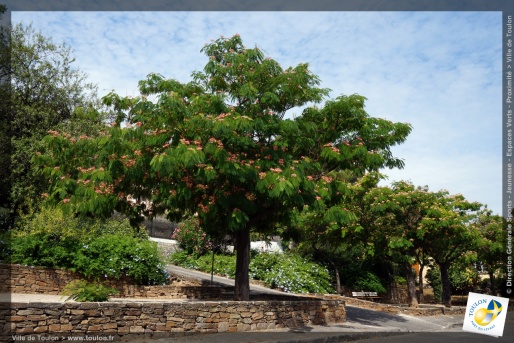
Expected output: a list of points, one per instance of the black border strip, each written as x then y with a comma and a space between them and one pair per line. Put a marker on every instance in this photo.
259, 5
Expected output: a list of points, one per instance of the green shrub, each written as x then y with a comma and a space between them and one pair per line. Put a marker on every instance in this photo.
50, 221
296, 274
191, 237
463, 278
262, 264
92, 247
290, 272
184, 260
118, 256
369, 282
53, 221
80, 290
43, 249
434, 280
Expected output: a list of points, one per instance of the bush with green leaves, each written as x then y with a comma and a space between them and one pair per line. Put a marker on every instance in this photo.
369, 282
50, 220
44, 249
292, 273
93, 248
114, 255
434, 280
83, 291
295, 274
191, 237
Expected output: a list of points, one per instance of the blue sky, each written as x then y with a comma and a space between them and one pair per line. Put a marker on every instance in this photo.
439, 71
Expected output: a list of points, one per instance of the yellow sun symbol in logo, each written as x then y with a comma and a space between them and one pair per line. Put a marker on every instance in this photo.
485, 316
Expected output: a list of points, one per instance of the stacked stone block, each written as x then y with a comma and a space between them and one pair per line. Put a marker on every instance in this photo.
121, 318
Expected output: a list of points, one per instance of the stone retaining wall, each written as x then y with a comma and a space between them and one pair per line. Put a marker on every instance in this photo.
25, 279
39, 280
122, 318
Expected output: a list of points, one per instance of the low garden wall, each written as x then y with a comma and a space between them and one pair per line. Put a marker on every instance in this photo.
122, 318
40, 280
26, 279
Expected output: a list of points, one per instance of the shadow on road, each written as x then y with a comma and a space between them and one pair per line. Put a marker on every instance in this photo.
371, 317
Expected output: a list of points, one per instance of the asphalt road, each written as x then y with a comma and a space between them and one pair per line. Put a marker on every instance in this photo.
453, 337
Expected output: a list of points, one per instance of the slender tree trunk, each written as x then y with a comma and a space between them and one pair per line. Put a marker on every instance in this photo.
336, 270
338, 281
493, 282
411, 284
445, 279
421, 297
242, 284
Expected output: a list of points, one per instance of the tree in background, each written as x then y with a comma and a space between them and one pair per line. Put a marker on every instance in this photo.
44, 91
490, 248
448, 231
397, 213
5, 126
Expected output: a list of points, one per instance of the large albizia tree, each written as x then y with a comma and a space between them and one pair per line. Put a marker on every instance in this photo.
218, 146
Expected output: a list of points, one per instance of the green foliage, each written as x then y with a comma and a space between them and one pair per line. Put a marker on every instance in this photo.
191, 237
46, 90
463, 278
83, 291
369, 282
93, 248
290, 272
400, 280
434, 280
294, 274
52, 220
118, 256
47, 250
361, 275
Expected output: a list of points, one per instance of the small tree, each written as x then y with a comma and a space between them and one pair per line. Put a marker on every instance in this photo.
448, 231
490, 246
397, 214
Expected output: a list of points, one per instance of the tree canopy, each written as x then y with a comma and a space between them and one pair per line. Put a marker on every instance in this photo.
44, 91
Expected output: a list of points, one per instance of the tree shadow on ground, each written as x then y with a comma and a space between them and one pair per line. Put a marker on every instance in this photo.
371, 317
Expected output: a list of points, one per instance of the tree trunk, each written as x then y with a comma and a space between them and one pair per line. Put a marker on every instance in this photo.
411, 284
421, 284
493, 281
338, 282
242, 284
336, 271
445, 280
